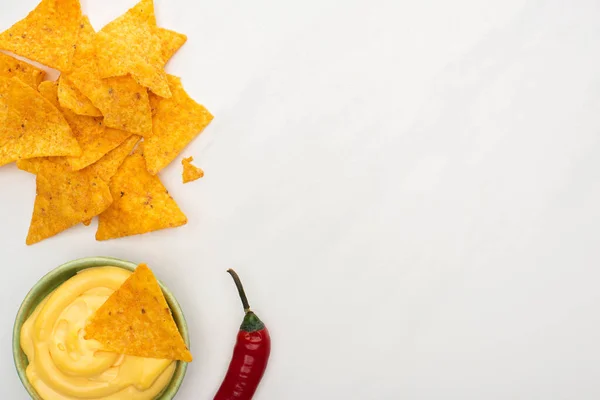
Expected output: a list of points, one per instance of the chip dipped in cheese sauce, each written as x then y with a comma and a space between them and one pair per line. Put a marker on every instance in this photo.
63, 365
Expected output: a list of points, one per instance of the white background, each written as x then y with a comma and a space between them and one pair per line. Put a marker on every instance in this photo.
409, 189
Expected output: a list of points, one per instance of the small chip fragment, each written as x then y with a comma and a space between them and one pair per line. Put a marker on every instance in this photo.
141, 203
121, 100
176, 122
64, 199
47, 35
30, 126
190, 172
136, 320
10, 66
130, 45
93, 137
72, 99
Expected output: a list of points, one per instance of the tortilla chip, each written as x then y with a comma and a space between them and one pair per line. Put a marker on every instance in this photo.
177, 121
30, 126
122, 101
130, 45
171, 41
72, 99
142, 204
64, 199
108, 165
136, 320
10, 66
190, 172
94, 138
47, 35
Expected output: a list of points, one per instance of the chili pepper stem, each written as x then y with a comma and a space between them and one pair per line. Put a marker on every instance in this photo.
240, 288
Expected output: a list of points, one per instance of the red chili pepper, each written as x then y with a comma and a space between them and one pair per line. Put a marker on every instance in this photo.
250, 355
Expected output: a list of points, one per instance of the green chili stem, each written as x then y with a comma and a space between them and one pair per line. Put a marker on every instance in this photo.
240, 288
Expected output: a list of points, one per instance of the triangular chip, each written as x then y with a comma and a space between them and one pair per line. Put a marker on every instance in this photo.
72, 99
10, 66
94, 138
176, 122
122, 101
64, 199
47, 35
30, 126
141, 203
136, 320
190, 172
130, 45
108, 165
171, 41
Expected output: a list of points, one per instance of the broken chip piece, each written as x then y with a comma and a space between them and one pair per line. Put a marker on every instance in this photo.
136, 320
190, 172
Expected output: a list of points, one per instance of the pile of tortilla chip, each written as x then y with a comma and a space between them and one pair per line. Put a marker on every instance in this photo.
97, 137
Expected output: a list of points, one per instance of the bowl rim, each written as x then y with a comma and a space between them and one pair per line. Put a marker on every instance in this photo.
31, 301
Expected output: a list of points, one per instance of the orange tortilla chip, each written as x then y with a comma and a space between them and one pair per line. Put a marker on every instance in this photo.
176, 122
171, 41
64, 199
190, 172
122, 101
10, 66
136, 320
130, 45
108, 165
141, 203
47, 35
30, 126
72, 99
94, 138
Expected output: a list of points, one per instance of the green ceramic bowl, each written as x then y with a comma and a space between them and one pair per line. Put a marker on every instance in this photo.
59, 275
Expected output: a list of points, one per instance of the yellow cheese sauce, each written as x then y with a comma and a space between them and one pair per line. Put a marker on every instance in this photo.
65, 366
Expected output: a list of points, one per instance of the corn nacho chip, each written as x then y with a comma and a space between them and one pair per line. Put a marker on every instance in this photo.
190, 172
94, 138
10, 66
177, 121
64, 199
130, 45
72, 99
171, 41
108, 165
30, 126
122, 101
136, 320
47, 35
141, 203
